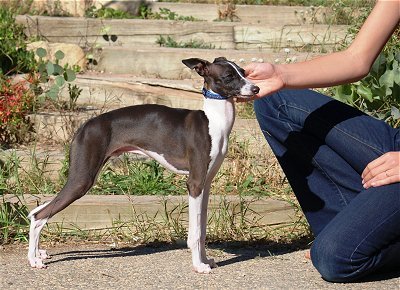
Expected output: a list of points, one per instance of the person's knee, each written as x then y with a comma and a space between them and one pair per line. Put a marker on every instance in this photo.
334, 263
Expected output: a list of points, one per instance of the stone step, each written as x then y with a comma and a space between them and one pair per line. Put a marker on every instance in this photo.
248, 14
255, 14
104, 211
166, 63
109, 91
91, 33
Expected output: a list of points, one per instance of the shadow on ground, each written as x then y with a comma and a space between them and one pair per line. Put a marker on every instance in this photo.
241, 251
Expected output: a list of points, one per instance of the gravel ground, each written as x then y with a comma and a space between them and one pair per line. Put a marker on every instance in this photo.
91, 266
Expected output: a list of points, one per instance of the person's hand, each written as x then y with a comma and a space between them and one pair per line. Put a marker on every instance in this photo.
382, 171
265, 76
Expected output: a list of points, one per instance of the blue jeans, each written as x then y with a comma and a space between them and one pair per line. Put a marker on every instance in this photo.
323, 147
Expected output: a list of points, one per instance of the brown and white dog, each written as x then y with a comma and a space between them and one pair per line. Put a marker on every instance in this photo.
191, 142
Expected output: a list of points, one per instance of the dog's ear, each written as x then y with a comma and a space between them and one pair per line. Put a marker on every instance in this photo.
219, 59
200, 65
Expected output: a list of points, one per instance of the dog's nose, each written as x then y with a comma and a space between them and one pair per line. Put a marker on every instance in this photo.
255, 89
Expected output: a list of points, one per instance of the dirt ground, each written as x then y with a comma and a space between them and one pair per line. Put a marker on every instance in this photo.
165, 266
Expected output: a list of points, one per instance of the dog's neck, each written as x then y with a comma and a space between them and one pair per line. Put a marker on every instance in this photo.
220, 111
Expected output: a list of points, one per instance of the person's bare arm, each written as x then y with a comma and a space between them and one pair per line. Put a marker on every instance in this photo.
346, 66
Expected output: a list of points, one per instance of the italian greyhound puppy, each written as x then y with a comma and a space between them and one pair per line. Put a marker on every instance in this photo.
191, 142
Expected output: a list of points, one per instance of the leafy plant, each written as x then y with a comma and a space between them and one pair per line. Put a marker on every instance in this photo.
107, 12
55, 77
378, 93
14, 58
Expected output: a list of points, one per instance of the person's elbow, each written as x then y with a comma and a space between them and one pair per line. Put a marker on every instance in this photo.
362, 69
360, 64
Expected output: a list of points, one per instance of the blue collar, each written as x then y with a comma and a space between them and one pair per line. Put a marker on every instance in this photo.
209, 94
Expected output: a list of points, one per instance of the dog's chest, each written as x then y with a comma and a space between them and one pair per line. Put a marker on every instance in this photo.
221, 116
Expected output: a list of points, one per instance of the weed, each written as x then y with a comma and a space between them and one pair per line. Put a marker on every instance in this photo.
170, 42
226, 12
13, 221
163, 14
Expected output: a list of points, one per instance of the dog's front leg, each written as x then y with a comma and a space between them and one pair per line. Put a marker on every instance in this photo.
203, 224
196, 236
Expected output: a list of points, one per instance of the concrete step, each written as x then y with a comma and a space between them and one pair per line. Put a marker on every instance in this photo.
104, 211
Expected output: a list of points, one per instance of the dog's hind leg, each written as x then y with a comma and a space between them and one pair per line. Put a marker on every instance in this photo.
85, 163
35, 255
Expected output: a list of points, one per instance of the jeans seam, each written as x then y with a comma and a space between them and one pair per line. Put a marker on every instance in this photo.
330, 179
372, 230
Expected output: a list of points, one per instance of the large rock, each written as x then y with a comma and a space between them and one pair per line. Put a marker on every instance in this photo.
74, 54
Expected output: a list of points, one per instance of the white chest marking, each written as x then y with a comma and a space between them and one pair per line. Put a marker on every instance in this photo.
221, 115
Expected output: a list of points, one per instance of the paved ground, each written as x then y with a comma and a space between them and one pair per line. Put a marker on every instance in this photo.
91, 266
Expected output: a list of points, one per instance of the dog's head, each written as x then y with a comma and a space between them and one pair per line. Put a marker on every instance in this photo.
223, 77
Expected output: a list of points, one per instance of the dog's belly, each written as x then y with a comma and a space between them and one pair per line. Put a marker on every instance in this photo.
162, 160
174, 166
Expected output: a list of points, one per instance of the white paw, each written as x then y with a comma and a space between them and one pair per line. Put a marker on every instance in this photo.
37, 263
43, 255
202, 268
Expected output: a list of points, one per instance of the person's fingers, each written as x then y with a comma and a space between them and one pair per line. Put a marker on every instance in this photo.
383, 170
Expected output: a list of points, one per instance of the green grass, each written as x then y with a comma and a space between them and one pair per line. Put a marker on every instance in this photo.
138, 177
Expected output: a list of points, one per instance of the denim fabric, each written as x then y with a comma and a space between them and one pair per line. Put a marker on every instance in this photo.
323, 147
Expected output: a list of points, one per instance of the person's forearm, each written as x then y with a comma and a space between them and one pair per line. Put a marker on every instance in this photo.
351, 64
324, 71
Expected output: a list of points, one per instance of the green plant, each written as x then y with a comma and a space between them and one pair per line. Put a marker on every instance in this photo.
54, 77
107, 12
170, 42
14, 58
378, 93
